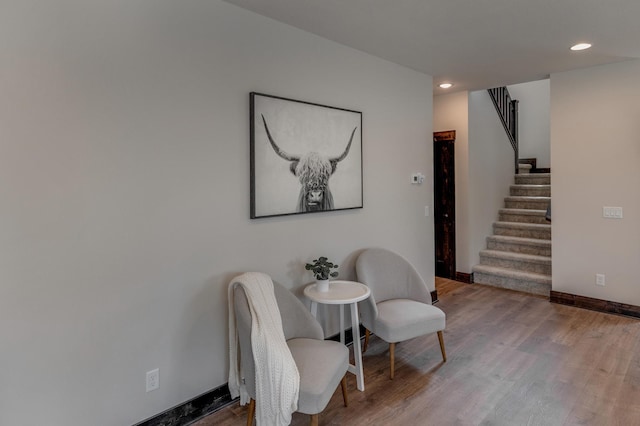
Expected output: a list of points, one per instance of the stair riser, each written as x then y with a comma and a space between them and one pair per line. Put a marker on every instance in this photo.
519, 265
521, 218
540, 234
512, 283
519, 248
519, 191
533, 179
528, 204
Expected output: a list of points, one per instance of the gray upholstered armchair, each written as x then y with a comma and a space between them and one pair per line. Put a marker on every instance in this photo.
322, 364
400, 306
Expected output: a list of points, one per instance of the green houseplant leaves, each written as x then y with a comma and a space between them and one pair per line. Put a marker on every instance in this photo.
321, 268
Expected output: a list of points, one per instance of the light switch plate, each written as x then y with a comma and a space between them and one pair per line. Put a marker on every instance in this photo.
612, 212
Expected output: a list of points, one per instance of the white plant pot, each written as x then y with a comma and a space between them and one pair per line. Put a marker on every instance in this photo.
322, 285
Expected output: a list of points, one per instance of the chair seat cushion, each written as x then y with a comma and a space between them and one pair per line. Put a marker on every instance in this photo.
403, 319
322, 364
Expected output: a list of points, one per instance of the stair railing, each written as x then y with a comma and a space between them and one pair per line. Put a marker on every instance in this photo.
507, 109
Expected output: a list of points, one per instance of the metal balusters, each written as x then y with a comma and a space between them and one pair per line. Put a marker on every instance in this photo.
507, 109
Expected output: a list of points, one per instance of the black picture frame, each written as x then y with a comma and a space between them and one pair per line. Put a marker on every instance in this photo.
305, 157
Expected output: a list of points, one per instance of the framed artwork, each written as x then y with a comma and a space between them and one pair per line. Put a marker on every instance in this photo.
305, 157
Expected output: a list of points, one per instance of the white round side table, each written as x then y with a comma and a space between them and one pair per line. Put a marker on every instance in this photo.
344, 293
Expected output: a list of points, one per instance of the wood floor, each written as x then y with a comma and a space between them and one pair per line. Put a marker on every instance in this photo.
513, 359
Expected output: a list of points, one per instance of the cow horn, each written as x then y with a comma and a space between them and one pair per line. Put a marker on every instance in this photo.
276, 148
346, 151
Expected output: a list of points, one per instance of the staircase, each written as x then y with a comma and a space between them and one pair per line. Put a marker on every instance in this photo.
518, 254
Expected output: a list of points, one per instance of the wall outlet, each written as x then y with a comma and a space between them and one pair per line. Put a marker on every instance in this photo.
153, 380
600, 279
426, 211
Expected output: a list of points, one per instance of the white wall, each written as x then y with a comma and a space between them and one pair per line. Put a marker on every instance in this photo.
533, 120
484, 168
595, 152
451, 112
124, 193
491, 170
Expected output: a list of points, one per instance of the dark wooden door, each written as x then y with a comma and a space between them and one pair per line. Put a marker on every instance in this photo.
444, 209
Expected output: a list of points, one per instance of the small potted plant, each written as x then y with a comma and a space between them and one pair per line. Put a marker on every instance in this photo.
321, 268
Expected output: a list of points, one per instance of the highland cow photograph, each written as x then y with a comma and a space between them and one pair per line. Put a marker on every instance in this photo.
305, 157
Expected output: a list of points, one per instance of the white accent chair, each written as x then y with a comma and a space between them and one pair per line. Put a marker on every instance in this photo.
322, 364
400, 306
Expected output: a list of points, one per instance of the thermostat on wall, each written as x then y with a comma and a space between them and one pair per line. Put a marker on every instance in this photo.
417, 178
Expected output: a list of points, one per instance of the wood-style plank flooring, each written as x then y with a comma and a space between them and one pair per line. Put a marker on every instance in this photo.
513, 359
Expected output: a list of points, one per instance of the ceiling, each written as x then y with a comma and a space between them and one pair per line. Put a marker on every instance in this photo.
474, 44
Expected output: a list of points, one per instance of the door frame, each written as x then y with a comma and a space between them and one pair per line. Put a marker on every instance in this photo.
438, 205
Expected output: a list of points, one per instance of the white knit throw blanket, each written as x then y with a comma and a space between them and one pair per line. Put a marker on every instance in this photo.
277, 378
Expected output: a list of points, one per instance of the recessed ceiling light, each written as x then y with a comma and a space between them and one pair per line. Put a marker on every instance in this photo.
581, 46
445, 85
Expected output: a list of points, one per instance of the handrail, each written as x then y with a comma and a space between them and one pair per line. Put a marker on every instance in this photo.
507, 109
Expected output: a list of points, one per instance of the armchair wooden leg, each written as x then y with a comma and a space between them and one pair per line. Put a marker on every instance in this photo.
441, 339
343, 385
367, 333
314, 420
392, 358
251, 412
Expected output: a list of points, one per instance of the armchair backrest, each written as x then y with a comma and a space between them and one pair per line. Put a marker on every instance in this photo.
297, 322
390, 276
